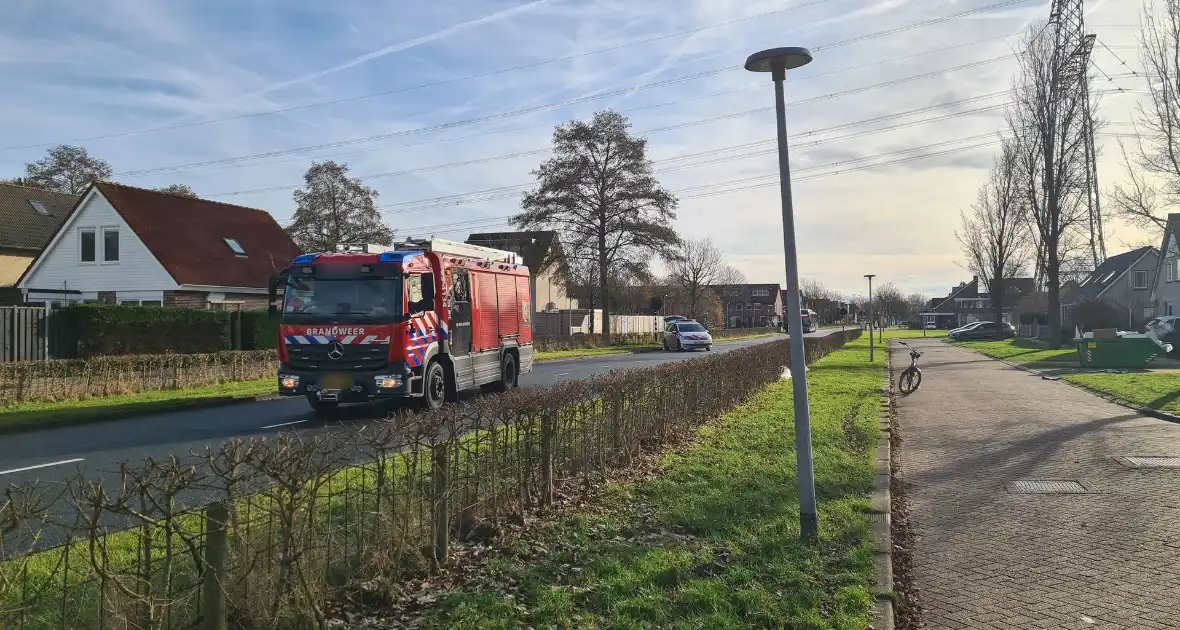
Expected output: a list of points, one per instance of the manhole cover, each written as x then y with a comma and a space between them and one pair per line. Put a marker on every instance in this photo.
1044, 486
1149, 462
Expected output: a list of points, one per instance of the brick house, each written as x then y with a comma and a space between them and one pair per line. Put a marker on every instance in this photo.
125, 245
971, 302
751, 305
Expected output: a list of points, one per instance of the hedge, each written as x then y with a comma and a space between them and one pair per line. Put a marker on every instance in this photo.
60, 380
97, 329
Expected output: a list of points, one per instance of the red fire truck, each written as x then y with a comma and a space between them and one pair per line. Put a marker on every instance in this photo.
422, 320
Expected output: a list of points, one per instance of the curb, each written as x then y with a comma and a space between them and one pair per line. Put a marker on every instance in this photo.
1122, 402
147, 410
883, 618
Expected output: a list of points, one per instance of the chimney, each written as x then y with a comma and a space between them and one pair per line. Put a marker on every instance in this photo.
975, 278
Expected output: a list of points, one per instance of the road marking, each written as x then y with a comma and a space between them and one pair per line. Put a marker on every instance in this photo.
284, 424
563, 374
64, 461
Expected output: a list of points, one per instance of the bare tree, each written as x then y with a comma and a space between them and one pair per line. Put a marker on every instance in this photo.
916, 305
889, 302
180, 190
1046, 121
995, 235
1156, 151
693, 267
598, 190
814, 288
66, 169
730, 275
334, 208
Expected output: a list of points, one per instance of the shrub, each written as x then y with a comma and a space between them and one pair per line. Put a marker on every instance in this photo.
370, 503
93, 329
259, 330
78, 379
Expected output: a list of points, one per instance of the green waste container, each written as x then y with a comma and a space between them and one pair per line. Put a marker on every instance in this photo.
1121, 352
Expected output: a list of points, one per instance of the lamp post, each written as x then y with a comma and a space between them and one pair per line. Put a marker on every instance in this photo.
777, 61
870, 276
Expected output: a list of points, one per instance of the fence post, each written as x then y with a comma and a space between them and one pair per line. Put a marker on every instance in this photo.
548, 426
213, 609
442, 503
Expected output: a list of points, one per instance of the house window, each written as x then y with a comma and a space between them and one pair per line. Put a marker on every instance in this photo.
110, 244
234, 246
757, 306
39, 207
1139, 279
1167, 308
87, 246
760, 292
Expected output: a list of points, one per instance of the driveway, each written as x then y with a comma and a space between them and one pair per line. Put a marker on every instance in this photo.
988, 557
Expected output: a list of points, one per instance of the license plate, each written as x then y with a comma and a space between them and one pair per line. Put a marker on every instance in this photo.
336, 381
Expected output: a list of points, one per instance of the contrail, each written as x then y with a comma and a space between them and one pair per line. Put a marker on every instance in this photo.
388, 50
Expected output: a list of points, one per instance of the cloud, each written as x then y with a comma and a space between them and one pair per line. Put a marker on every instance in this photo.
109, 66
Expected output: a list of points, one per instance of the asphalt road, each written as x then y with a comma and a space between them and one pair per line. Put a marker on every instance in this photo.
54, 454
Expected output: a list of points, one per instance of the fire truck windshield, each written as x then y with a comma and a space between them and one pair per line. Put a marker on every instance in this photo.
342, 300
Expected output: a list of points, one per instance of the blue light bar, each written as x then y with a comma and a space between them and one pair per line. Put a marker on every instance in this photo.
304, 259
399, 257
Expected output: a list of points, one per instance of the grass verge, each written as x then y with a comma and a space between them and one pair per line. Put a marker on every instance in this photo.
42, 415
1025, 352
1159, 390
580, 353
713, 541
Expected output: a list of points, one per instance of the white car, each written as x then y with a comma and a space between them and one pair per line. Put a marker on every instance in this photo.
686, 335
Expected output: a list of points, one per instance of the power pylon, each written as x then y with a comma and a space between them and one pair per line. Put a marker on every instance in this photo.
1071, 52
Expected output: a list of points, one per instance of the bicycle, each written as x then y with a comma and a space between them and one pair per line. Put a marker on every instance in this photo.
911, 377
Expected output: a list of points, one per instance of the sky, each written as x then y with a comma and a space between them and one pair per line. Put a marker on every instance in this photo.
445, 109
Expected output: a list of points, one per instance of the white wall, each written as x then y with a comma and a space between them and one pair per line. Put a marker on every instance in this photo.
136, 270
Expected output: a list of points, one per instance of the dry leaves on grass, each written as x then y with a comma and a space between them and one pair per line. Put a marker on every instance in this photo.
522, 540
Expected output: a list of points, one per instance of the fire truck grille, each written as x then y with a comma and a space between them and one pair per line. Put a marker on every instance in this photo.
356, 357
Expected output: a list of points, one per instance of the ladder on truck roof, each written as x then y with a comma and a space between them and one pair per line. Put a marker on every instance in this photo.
453, 248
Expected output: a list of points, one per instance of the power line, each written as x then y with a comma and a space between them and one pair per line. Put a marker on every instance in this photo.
543, 107
821, 97
472, 77
504, 192
772, 177
547, 124
544, 150
852, 40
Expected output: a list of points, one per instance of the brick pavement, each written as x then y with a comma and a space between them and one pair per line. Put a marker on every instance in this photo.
989, 559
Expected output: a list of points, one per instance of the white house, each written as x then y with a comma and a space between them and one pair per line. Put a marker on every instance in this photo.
125, 245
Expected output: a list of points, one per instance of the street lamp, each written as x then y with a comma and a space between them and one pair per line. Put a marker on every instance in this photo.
777, 61
870, 276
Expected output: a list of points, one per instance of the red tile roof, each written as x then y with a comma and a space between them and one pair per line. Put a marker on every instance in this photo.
187, 236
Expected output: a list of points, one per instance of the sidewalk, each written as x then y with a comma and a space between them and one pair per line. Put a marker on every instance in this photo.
989, 558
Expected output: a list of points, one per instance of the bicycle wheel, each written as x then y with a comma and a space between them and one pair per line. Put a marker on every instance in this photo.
910, 380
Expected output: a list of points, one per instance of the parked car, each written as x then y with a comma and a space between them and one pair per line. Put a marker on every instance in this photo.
984, 331
668, 319
686, 335
967, 327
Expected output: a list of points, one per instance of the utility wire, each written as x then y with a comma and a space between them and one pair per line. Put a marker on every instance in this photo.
545, 150
924, 75
853, 40
542, 107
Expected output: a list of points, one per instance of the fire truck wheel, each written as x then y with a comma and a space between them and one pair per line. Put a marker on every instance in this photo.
434, 387
508, 373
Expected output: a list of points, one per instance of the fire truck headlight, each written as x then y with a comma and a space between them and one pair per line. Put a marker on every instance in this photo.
391, 381
288, 381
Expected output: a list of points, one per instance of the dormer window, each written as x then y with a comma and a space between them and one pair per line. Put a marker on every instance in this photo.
234, 246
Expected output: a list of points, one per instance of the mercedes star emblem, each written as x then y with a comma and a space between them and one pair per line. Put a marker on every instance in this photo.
336, 351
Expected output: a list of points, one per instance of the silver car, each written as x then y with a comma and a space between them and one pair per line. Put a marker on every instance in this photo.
686, 335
